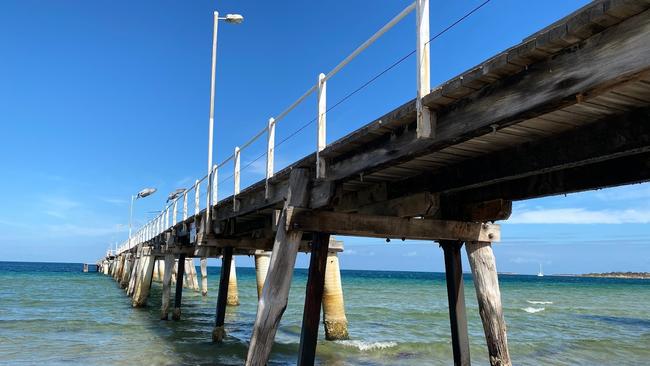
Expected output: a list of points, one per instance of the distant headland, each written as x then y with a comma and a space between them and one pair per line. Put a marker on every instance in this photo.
643, 275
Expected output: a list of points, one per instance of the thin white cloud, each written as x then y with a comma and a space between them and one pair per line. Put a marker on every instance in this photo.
71, 230
633, 192
580, 216
349, 252
115, 201
410, 254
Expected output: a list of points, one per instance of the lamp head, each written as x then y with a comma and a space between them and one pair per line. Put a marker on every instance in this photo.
234, 18
146, 192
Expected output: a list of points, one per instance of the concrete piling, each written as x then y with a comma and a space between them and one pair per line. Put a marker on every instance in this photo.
233, 295
334, 319
204, 276
126, 272
143, 283
262, 259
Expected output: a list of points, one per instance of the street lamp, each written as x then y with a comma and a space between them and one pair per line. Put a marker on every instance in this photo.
142, 194
229, 18
177, 192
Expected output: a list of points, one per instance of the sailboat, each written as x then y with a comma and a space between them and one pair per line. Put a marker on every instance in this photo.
540, 273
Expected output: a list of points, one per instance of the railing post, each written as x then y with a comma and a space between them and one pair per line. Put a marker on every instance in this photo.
425, 119
167, 218
175, 217
185, 205
270, 151
235, 205
322, 125
197, 197
215, 184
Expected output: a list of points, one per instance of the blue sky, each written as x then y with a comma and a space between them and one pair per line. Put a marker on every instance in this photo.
100, 99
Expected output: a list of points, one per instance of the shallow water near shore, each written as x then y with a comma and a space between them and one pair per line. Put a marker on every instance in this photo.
55, 314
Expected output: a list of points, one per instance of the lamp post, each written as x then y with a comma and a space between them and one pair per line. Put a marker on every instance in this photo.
142, 194
229, 18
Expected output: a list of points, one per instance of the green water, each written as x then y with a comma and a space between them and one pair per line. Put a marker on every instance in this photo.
55, 314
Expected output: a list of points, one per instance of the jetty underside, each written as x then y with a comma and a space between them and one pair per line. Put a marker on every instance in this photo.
566, 110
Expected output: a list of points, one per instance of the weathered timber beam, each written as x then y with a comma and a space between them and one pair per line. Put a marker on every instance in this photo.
612, 137
251, 200
374, 202
619, 53
610, 173
391, 227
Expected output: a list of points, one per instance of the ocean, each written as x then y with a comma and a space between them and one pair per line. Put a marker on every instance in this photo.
55, 314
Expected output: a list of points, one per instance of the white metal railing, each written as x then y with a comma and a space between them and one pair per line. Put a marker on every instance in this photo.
425, 129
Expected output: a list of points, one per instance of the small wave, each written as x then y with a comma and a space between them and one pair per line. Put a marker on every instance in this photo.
539, 302
532, 310
367, 346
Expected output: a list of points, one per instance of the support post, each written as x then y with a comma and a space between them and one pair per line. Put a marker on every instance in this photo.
178, 296
262, 260
278, 280
322, 126
334, 319
456, 297
219, 332
166, 283
425, 122
204, 276
486, 283
313, 299
233, 293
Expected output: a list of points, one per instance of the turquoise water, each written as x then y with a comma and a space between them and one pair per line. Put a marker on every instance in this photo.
55, 314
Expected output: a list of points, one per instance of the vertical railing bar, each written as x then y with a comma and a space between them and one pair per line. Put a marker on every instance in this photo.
322, 125
197, 197
425, 123
270, 152
215, 184
185, 205
235, 205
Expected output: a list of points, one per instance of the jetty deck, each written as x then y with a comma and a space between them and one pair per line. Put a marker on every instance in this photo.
566, 110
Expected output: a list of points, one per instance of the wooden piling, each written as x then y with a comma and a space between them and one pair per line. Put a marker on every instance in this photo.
166, 283
178, 296
456, 298
334, 319
278, 280
233, 294
204, 276
219, 332
313, 299
262, 259
486, 282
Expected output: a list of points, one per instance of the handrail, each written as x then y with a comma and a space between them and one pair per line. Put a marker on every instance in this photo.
160, 223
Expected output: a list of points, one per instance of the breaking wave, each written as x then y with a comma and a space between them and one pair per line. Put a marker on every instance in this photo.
532, 310
539, 302
367, 346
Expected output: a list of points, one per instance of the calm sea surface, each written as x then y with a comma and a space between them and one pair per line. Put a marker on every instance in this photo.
55, 314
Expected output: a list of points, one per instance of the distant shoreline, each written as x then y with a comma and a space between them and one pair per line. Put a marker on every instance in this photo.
637, 275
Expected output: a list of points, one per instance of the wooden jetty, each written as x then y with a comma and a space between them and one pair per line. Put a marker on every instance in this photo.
566, 110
